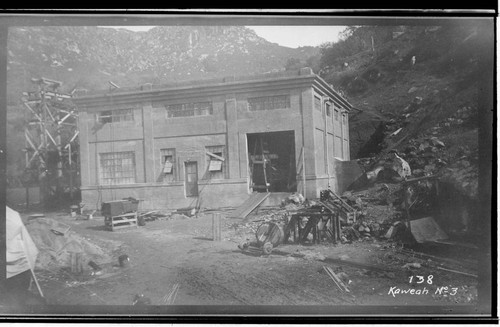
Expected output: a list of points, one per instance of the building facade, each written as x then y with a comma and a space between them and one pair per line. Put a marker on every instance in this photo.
212, 143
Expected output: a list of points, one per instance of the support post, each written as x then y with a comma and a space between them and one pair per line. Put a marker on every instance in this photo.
216, 227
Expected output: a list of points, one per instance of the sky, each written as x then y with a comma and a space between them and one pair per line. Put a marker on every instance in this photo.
289, 36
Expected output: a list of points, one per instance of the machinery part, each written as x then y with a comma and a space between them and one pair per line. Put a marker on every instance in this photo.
269, 232
243, 246
267, 248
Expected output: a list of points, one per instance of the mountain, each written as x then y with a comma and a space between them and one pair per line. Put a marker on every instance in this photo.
89, 57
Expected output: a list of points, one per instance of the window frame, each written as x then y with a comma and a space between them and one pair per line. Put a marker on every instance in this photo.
109, 174
189, 109
219, 150
328, 109
270, 102
168, 152
336, 114
317, 100
114, 116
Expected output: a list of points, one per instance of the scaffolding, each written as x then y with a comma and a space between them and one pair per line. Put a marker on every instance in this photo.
51, 144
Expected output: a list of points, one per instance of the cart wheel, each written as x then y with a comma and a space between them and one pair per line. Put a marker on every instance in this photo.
267, 248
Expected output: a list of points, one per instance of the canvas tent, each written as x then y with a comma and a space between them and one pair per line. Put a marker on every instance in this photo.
21, 250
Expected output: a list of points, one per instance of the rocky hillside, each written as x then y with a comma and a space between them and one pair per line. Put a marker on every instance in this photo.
417, 91
88, 57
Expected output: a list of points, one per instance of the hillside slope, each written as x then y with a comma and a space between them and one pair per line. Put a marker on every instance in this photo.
418, 93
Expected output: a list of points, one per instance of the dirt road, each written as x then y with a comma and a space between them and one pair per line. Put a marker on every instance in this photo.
164, 253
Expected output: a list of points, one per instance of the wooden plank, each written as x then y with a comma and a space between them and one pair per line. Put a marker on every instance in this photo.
249, 205
215, 156
124, 221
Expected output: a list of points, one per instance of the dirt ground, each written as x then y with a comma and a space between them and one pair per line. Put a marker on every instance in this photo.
180, 252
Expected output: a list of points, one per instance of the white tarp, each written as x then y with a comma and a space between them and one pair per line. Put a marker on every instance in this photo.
21, 250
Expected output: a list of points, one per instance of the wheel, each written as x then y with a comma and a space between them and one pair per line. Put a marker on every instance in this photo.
267, 248
269, 232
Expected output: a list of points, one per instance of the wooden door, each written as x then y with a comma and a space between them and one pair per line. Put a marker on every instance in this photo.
191, 169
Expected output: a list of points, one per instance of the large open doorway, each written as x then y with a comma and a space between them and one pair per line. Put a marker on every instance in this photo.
271, 159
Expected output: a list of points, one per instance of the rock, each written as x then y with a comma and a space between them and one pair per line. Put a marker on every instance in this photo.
429, 168
359, 202
400, 166
314, 256
418, 172
295, 198
418, 100
436, 142
412, 89
412, 265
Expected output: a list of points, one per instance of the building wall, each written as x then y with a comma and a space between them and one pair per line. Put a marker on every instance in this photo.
152, 130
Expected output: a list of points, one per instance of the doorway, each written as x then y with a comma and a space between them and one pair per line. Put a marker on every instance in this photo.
191, 171
271, 160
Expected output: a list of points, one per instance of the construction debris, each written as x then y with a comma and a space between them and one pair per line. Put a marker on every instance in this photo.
340, 284
55, 249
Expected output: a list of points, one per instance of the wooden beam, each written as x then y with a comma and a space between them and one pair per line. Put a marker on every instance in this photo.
50, 136
215, 156
32, 111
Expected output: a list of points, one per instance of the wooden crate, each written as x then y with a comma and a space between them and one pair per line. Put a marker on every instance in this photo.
121, 221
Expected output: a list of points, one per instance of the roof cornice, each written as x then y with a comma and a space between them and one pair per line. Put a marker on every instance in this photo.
203, 90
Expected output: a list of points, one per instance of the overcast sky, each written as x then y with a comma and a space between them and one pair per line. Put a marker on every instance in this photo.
289, 36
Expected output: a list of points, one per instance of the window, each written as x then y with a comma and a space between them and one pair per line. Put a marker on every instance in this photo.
117, 168
168, 164
344, 124
216, 156
114, 116
328, 110
269, 103
317, 103
189, 109
336, 115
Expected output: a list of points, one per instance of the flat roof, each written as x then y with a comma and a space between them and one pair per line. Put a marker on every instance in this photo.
81, 96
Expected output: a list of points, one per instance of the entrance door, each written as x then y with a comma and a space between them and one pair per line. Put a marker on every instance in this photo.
191, 169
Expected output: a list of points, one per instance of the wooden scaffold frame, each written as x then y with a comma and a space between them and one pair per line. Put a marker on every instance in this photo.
51, 144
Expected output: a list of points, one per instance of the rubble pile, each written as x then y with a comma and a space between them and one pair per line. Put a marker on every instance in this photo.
425, 156
56, 244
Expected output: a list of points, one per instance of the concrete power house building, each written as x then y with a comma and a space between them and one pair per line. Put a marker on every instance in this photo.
211, 143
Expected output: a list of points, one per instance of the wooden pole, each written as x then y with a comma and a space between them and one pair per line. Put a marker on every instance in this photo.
216, 227
32, 270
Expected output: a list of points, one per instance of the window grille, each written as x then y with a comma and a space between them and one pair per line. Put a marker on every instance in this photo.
115, 116
117, 168
269, 103
189, 109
